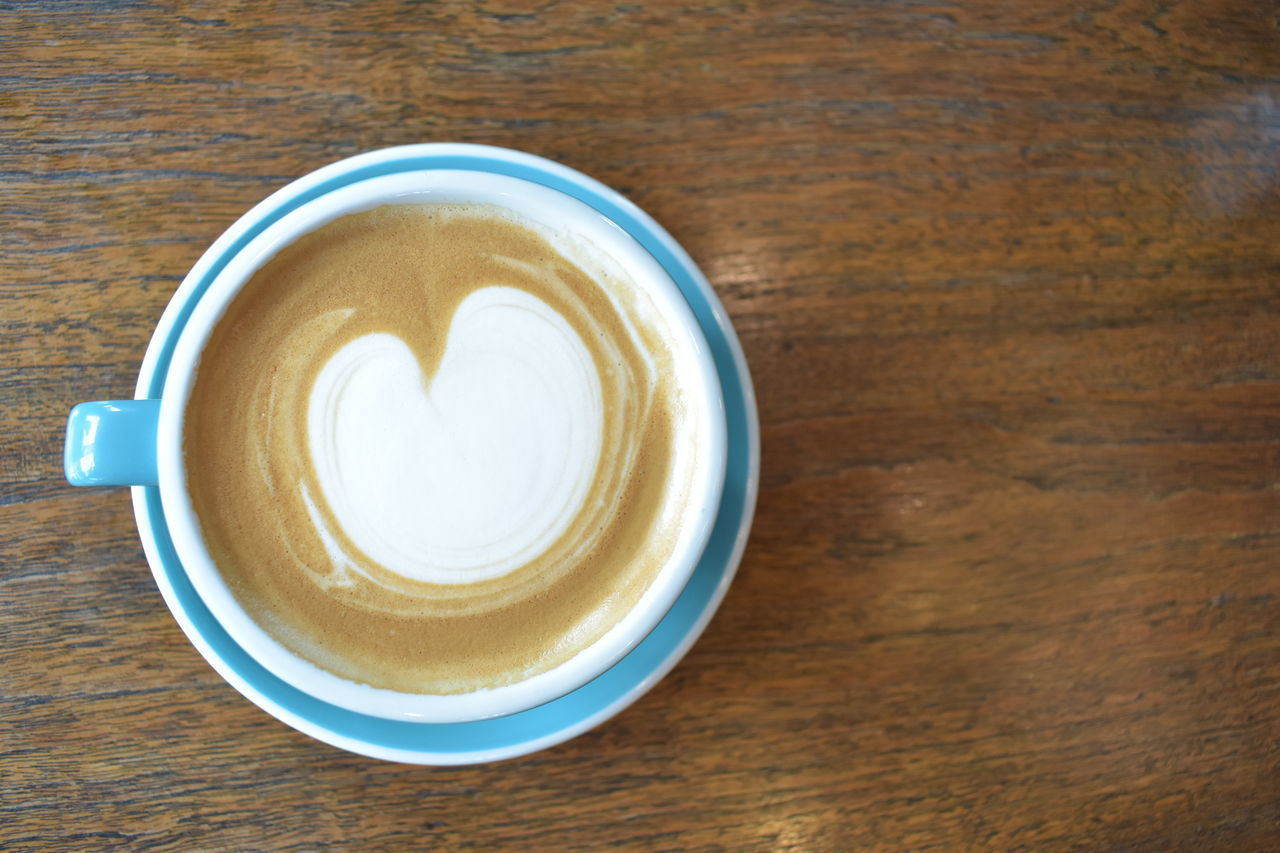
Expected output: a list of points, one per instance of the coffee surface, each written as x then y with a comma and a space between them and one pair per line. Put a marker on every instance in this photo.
434, 451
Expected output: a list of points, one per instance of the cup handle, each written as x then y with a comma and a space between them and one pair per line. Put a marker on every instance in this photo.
112, 443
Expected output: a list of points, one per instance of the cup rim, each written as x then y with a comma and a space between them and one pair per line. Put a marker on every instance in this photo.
560, 719
523, 197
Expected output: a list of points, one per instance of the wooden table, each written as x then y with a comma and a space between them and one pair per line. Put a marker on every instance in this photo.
1006, 275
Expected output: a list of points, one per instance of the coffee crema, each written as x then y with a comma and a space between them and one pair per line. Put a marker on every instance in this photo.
432, 452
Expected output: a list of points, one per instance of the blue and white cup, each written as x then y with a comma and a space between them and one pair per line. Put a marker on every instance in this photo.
138, 443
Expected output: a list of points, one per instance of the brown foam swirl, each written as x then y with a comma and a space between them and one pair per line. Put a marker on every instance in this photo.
403, 271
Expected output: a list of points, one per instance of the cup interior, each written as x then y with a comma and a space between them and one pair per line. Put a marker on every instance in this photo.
558, 214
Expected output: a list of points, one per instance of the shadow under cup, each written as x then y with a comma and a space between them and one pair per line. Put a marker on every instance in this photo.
558, 213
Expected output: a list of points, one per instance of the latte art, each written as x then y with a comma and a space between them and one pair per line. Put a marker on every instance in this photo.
432, 450
475, 473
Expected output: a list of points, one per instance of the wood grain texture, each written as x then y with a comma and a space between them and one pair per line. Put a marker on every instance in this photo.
1008, 278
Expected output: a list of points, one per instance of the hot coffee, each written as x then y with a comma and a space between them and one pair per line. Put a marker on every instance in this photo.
438, 448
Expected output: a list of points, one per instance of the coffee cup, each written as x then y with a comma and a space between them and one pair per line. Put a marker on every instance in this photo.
379, 507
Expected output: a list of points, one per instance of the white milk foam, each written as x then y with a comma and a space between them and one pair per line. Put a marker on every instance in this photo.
475, 471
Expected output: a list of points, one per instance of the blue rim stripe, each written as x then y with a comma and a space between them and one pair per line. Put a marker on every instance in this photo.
647, 657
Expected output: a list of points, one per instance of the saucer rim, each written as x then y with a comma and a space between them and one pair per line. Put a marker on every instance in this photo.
530, 167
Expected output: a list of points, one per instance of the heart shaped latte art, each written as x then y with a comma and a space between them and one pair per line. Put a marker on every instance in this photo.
475, 471
432, 452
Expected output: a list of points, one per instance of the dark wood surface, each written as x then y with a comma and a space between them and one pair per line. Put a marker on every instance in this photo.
1007, 275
